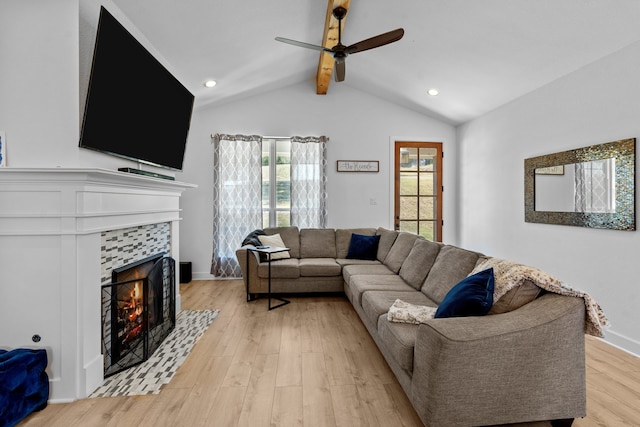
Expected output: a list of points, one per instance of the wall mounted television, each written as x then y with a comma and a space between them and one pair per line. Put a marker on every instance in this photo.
135, 107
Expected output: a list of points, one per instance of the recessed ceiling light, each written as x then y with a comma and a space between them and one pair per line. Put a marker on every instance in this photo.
433, 92
210, 83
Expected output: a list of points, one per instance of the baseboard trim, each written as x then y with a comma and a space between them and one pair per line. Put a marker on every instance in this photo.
625, 344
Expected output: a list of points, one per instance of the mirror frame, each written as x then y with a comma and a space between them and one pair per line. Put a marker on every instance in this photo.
624, 151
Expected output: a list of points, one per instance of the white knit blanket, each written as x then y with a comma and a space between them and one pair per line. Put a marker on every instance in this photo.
509, 274
404, 312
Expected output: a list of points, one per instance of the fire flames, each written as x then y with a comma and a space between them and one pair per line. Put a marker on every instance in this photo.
132, 309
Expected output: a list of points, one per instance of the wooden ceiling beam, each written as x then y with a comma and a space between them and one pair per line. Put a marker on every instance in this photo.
329, 39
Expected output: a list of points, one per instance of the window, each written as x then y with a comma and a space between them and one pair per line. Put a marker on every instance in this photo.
260, 182
276, 182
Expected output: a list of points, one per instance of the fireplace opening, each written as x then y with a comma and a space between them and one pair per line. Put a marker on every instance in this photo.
138, 311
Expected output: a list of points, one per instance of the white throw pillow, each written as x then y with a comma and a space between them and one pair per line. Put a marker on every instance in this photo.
275, 241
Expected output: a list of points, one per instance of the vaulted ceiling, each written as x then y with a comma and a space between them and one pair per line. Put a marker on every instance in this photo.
478, 54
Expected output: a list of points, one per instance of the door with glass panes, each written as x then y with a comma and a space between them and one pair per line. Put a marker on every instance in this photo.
418, 188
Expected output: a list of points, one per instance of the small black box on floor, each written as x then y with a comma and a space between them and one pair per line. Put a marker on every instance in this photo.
185, 272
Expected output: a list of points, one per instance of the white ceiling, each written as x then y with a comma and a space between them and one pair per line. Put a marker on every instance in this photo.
480, 54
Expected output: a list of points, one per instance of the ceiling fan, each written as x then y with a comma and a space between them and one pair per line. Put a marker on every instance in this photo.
340, 51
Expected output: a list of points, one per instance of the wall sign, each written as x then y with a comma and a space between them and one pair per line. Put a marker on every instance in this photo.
358, 166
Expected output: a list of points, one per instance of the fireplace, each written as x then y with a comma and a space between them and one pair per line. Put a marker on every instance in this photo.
138, 311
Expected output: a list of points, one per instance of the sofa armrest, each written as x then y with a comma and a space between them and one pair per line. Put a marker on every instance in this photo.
524, 365
249, 271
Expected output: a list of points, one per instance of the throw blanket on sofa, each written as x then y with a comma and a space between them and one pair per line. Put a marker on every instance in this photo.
404, 312
509, 274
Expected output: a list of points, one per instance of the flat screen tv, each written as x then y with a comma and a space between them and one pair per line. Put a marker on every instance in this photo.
135, 107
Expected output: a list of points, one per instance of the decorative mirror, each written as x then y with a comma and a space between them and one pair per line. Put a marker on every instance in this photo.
587, 187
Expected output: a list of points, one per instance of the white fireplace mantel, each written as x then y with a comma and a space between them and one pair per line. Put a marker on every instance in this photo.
51, 222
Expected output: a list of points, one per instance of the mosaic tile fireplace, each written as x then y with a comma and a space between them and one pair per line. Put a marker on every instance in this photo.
130, 283
138, 311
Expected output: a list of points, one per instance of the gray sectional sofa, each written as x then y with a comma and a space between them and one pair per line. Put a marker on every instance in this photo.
523, 362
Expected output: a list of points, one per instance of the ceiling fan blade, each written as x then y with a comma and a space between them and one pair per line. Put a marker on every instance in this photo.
340, 71
376, 41
302, 44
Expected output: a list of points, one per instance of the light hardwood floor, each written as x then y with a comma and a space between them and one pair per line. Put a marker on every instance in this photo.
310, 363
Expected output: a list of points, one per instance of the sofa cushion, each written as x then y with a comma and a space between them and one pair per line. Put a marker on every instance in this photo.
363, 247
351, 261
400, 250
343, 239
387, 238
451, 266
419, 261
520, 280
375, 303
473, 296
400, 340
280, 269
290, 237
348, 271
363, 282
273, 241
319, 267
317, 243
516, 298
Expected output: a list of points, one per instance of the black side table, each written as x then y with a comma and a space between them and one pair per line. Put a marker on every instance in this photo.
268, 251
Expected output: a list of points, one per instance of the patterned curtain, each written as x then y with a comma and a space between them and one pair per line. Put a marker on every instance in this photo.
237, 197
595, 190
309, 181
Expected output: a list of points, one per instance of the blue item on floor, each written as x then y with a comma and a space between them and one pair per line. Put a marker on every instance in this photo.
24, 384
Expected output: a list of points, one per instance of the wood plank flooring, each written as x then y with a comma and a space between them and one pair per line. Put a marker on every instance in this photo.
310, 363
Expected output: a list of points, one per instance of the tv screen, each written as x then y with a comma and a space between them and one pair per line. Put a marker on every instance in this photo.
135, 107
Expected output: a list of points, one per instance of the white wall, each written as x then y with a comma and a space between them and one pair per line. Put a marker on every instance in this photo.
39, 82
46, 49
597, 104
360, 127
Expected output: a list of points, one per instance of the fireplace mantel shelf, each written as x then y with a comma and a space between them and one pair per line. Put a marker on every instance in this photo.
45, 201
89, 176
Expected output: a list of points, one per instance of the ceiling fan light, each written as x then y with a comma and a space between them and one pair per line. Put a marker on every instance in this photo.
433, 92
210, 83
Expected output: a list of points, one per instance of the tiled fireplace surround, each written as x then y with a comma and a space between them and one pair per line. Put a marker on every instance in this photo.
61, 233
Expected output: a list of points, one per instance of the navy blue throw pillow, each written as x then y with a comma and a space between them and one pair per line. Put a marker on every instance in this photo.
363, 247
472, 296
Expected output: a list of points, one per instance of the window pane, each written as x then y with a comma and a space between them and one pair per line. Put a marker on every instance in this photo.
283, 152
408, 207
265, 218
409, 159
265, 193
427, 208
427, 230
283, 186
427, 183
283, 175
408, 183
409, 226
427, 159
282, 218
